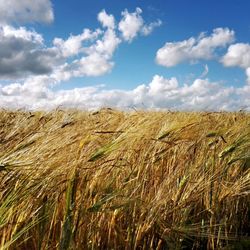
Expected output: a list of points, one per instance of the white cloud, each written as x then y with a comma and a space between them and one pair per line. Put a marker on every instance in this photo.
168, 93
105, 46
37, 67
15, 11
194, 49
132, 24
106, 20
98, 57
238, 55
24, 53
74, 44
248, 74
147, 29
92, 65
160, 93
160, 84
8, 31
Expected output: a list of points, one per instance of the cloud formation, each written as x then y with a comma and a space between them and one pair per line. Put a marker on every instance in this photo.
133, 24
194, 49
160, 93
238, 55
26, 11
147, 29
106, 20
30, 68
24, 53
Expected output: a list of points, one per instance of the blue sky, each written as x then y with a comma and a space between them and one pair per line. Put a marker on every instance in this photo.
184, 55
181, 20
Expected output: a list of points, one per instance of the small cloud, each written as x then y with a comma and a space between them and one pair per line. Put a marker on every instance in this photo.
205, 71
106, 20
147, 29
132, 24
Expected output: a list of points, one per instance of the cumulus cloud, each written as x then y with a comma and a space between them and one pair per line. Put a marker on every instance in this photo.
22, 53
160, 93
21, 32
97, 58
147, 29
169, 94
26, 11
74, 44
193, 49
37, 67
132, 24
238, 55
105, 46
92, 65
159, 84
106, 20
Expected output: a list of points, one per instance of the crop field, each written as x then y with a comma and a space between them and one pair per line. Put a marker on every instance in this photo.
124, 180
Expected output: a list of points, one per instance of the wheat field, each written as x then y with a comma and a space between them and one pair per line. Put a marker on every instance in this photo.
124, 180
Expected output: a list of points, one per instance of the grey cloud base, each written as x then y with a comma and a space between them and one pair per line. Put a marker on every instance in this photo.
25, 11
